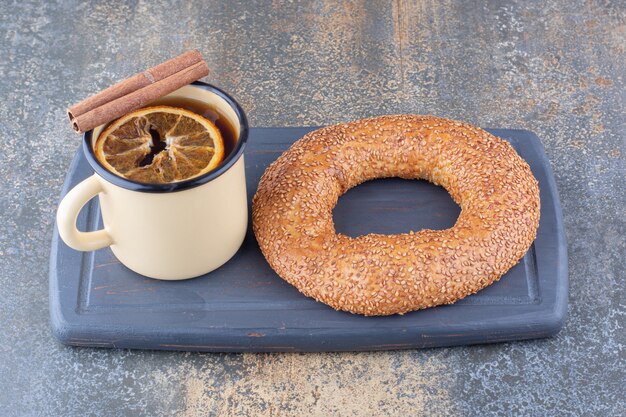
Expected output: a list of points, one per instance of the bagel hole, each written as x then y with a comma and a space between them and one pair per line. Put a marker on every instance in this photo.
394, 205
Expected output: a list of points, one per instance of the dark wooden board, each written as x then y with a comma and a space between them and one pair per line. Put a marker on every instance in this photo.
245, 307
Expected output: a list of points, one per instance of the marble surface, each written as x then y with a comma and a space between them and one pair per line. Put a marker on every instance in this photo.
556, 68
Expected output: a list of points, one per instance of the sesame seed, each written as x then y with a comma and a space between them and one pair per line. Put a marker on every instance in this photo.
383, 274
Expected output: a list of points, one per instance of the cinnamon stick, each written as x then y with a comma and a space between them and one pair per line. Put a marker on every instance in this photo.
137, 91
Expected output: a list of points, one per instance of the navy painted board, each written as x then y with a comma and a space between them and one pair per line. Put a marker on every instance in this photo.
245, 307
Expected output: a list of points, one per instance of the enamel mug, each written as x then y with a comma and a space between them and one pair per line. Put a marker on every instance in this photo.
166, 231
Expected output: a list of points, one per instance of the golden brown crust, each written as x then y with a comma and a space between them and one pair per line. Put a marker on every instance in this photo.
388, 274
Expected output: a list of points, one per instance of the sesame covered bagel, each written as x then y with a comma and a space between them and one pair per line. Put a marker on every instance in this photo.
387, 274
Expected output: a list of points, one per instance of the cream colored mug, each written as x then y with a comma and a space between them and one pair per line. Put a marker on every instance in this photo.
166, 231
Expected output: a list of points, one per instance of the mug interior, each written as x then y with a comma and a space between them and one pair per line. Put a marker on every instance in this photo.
199, 91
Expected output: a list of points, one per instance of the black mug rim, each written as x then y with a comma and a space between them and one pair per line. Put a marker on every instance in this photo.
181, 185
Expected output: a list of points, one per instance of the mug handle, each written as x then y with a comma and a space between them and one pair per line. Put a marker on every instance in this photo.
68, 213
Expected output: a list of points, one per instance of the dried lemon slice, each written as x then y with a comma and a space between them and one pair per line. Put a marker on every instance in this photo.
160, 144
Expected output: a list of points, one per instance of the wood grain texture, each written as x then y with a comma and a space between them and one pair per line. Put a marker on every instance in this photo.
245, 307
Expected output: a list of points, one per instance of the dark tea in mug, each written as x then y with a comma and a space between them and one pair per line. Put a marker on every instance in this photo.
172, 140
